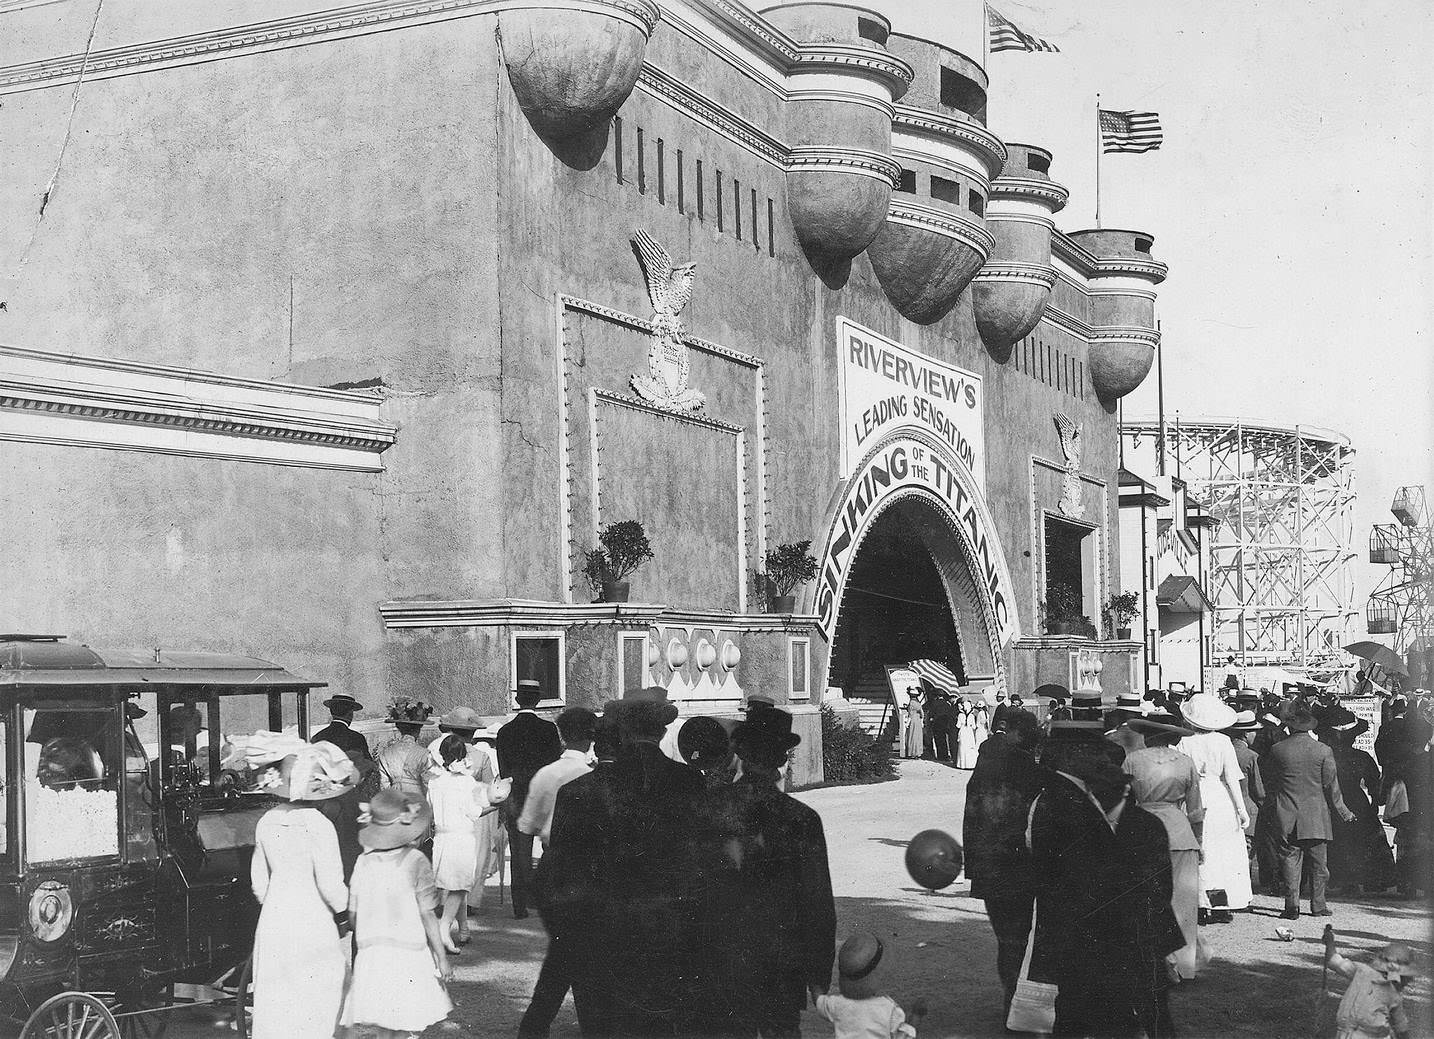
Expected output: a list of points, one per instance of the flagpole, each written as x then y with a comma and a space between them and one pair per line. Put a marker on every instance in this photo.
1097, 161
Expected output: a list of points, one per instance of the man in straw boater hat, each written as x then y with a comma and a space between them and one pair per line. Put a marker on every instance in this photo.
614, 886
1302, 785
343, 811
766, 919
524, 745
1103, 921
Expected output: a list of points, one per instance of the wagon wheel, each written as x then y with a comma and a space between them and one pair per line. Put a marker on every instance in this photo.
144, 1016
243, 998
71, 1015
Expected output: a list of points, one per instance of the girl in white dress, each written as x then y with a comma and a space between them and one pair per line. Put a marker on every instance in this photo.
983, 725
298, 879
1226, 866
400, 968
459, 802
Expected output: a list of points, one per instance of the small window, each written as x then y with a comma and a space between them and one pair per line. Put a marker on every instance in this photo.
1068, 560
799, 657
539, 656
633, 668
1039, 163
906, 182
871, 29
1142, 245
943, 190
976, 203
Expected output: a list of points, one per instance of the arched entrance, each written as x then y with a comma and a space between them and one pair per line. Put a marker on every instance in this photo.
911, 566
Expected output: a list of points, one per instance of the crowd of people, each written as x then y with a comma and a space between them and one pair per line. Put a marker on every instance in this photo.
1098, 910
683, 892
943, 727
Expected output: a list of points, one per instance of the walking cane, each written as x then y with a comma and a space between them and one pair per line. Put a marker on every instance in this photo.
1323, 984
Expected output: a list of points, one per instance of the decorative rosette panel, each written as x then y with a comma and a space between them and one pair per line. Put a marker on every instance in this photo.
572, 63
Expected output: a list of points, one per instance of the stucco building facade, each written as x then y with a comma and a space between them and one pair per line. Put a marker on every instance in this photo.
335, 343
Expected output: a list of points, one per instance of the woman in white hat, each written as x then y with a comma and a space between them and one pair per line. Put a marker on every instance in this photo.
1226, 867
298, 878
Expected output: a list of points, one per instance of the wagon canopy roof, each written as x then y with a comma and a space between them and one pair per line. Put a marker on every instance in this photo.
47, 660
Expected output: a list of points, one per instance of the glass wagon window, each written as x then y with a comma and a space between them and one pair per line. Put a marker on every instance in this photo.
72, 769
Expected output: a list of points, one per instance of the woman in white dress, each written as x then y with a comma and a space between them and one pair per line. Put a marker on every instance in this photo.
298, 878
459, 802
983, 724
1226, 866
965, 734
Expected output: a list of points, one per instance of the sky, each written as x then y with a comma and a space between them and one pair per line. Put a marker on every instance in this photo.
1291, 199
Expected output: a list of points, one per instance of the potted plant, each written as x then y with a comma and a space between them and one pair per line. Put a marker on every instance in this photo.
1122, 609
622, 548
1062, 611
788, 565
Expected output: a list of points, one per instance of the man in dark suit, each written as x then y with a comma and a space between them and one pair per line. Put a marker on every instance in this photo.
524, 745
1301, 785
1003, 784
614, 884
340, 731
765, 917
1103, 917
343, 811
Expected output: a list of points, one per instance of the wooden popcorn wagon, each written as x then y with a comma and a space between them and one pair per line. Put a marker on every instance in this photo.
124, 849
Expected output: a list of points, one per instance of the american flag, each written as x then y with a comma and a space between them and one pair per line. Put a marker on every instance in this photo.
1006, 36
1130, 131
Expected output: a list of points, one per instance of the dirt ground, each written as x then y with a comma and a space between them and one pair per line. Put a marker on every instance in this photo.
1256, 985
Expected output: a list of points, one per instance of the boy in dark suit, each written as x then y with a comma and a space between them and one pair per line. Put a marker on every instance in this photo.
524, 745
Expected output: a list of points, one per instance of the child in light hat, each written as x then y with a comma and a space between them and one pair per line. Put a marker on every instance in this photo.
859, 1012
398, 974
1373, 1004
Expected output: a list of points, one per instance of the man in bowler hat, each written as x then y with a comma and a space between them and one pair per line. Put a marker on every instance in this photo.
524, 745
765, 917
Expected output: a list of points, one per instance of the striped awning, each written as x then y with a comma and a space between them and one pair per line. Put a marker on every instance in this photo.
937, 674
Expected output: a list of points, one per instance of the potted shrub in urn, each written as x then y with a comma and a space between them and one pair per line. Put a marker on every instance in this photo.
1062, 611
622, 548
788, 566
1121, 609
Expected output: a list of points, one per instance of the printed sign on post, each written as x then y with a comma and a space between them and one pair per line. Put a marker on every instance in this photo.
884, 385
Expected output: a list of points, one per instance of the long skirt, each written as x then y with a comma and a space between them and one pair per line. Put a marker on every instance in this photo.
1185, 901
1227, 864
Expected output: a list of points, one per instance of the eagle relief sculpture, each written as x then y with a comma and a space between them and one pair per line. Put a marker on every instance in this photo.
1070, 503
668, 363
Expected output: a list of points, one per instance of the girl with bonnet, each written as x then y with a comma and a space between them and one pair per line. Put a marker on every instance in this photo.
400, 968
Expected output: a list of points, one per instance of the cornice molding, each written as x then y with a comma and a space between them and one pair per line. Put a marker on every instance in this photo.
641, 325
1029, 189
862, 161
919, 122
1125, 334
99, 402
1042, 274
700, 109
487, 613
886, 69
942, 221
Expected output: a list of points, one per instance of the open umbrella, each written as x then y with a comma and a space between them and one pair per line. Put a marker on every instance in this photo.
1380, 656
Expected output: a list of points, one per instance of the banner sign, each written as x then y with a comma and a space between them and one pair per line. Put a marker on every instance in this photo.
884, 385
903, 465
900, 679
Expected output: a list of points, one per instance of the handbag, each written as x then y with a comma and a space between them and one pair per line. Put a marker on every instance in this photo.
1033, 1007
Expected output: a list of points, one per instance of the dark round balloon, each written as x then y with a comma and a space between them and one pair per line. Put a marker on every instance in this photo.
934, 859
